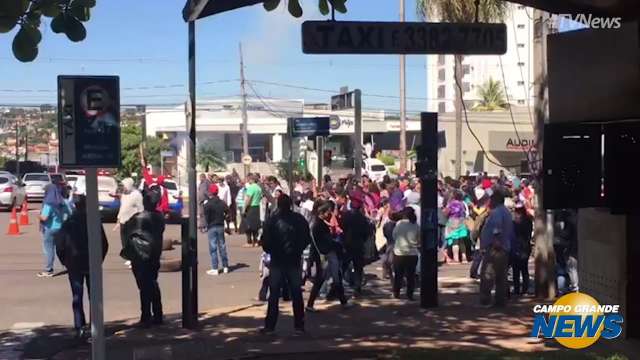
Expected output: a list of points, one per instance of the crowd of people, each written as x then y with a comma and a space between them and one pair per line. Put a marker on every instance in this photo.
324, 234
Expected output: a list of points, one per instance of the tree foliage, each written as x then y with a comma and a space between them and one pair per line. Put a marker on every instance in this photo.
208, 157
462, 10
294, 8
131, 138
492, 97
66, 17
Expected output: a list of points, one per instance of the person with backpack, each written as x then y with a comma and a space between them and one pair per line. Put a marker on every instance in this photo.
143, 248
72, 248
54, 212
285, 236
495, 243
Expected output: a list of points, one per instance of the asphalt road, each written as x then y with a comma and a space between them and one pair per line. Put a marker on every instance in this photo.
26, 298
29, 302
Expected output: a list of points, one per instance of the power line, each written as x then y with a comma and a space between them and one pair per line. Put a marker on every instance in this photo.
482, 148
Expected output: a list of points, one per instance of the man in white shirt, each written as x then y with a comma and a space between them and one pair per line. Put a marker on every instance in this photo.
224, 194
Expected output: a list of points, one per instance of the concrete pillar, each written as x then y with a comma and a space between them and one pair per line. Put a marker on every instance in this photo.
276, 149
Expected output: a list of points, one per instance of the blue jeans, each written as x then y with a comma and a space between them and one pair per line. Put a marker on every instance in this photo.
216, 243
77, 281
48, 248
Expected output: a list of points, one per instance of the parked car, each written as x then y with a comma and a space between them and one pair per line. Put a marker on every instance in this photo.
34, 185
108, 195
12, 194
176, 204
374, 169
59, 178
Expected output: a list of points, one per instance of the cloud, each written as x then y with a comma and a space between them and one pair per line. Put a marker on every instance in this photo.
276, 33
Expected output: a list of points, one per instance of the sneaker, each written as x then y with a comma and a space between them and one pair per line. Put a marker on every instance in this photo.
45, 274
347, 306
213, 272
225, 270
127, 263
310, 309
299, 332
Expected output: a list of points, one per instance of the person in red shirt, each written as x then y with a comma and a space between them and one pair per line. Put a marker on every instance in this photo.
150, 181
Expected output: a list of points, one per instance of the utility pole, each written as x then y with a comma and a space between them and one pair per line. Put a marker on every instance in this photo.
17, 147
543, 223
245, 118
26, 139
403, 105
457, 73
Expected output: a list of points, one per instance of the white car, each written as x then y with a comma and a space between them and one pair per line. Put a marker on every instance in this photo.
107, 186
11, 193
374, 169
34, 185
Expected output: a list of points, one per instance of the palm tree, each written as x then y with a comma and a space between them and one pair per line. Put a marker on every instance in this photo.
208, 156
461, 11
491, 97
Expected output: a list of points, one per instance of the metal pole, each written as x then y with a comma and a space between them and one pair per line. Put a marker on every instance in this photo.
320, 150
428, 173
18, 149
403, 105
245, 116
357, 94
290, 136
94, 226
190, 269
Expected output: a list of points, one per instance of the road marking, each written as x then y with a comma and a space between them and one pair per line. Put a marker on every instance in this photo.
11, 346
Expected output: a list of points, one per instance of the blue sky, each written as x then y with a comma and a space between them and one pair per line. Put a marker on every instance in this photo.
144, 42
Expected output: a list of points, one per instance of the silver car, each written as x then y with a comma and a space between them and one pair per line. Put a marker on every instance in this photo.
11, 193
34, 185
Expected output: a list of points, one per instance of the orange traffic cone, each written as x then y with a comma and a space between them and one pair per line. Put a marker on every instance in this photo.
24, 213
13, 223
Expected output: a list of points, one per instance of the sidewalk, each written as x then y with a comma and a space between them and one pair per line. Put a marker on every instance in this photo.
375, 325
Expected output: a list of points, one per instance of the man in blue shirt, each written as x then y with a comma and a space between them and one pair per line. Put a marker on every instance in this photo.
495, 243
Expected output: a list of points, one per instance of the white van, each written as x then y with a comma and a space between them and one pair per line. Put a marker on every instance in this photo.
374, 169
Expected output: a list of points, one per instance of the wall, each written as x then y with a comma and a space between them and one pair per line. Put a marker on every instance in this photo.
593, 76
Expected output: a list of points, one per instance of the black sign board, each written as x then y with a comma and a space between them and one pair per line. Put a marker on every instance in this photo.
310, 126
354, 37
89, 121
342, 101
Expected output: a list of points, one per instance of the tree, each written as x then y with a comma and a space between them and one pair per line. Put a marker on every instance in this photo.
492, 97
461, 11
207, 156
131, 139
296, 10
67, 17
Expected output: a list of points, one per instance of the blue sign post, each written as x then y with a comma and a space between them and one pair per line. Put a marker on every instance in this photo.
310, 126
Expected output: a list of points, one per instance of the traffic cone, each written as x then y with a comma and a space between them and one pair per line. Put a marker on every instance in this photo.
13, 223
24, 213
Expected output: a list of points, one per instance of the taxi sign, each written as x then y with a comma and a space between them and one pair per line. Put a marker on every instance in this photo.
356, 37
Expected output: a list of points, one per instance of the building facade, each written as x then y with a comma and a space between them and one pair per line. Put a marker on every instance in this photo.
477, 70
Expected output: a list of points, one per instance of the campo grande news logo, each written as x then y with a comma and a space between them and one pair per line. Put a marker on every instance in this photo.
577, 321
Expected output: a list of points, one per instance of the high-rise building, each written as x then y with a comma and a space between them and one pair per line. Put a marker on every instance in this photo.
478, 69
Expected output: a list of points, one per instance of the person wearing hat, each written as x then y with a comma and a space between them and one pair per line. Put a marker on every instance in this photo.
496, 238
215, 213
